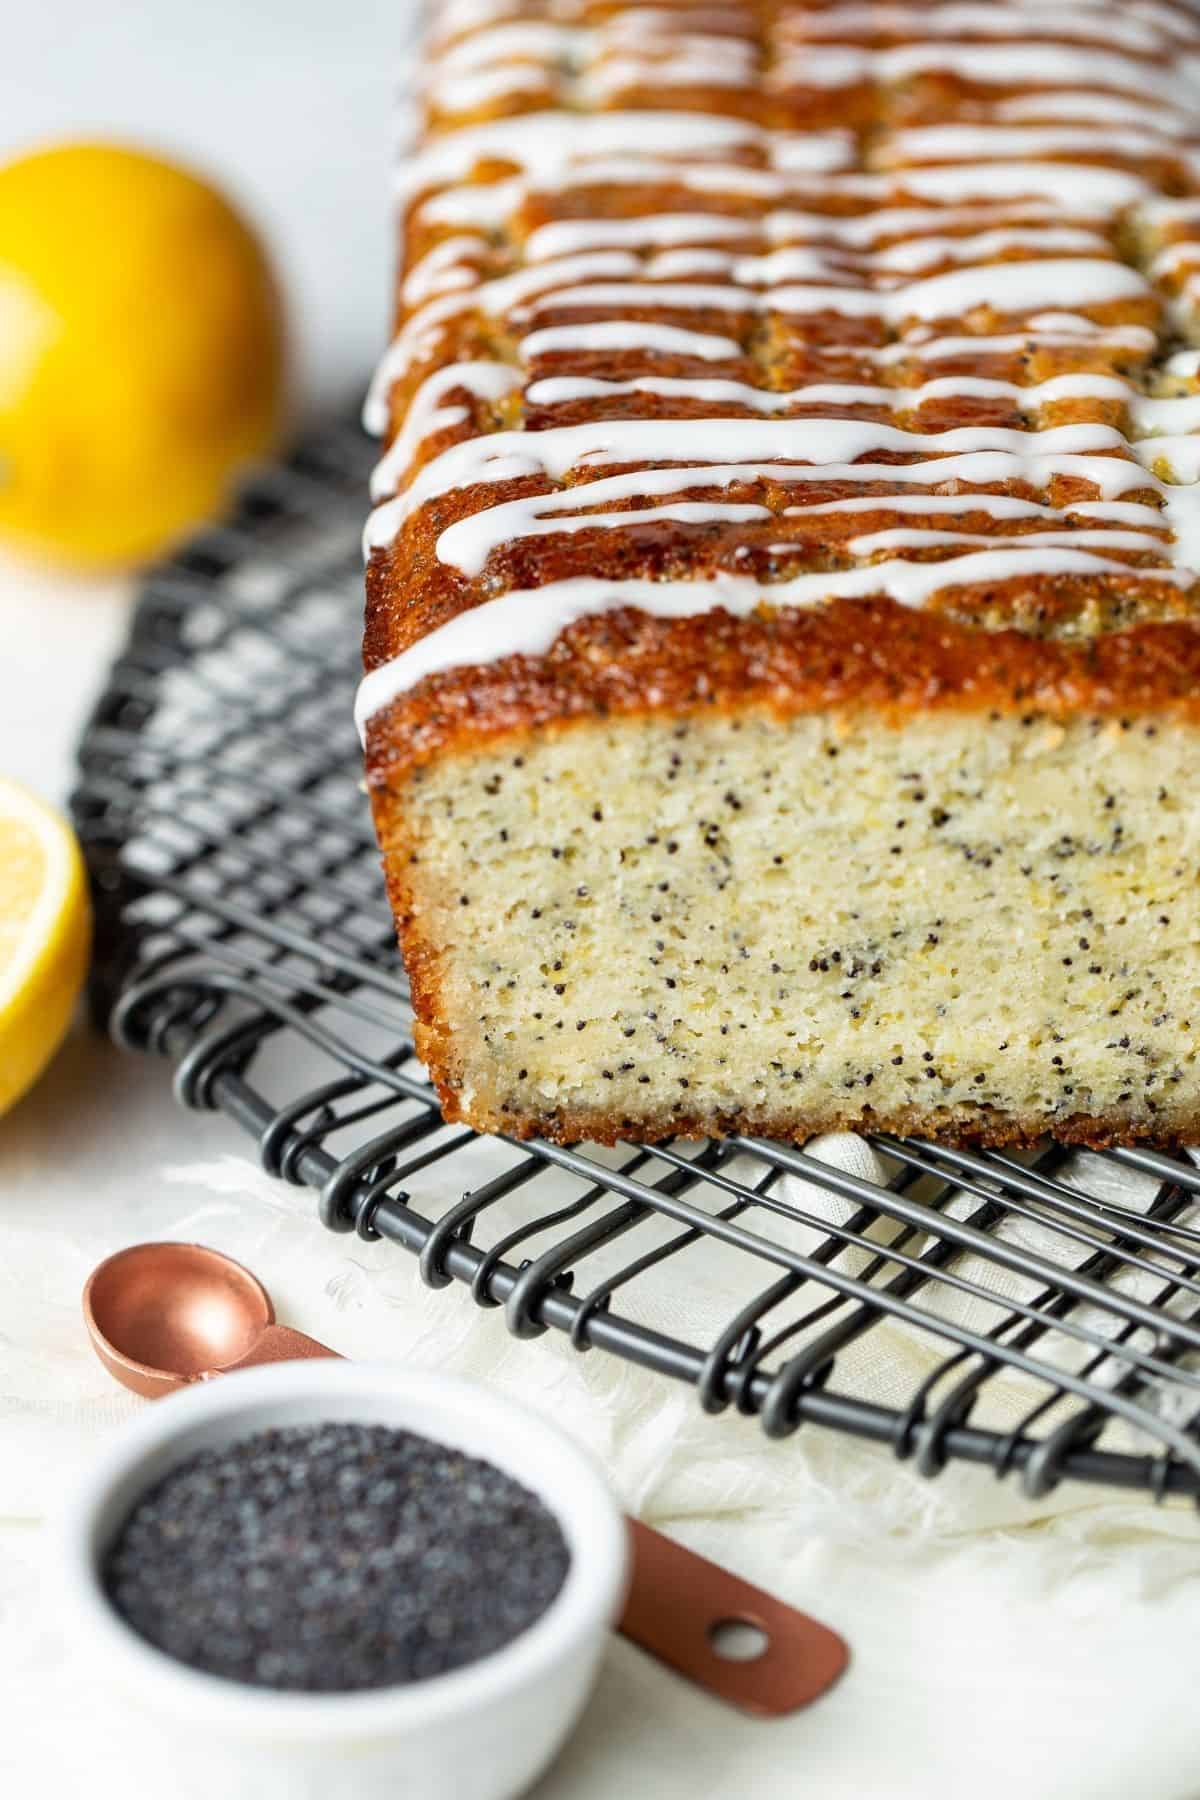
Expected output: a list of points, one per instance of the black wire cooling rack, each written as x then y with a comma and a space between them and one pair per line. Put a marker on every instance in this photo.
1038, 1315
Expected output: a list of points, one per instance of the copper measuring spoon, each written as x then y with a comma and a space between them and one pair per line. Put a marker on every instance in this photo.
163, 1315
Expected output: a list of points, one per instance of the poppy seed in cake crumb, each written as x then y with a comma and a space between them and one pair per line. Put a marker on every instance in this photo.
334, 1557
686, 907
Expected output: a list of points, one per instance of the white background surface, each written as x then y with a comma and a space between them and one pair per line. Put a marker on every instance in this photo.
996, 1652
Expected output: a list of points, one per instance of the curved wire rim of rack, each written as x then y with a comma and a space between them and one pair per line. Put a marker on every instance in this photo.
242, 932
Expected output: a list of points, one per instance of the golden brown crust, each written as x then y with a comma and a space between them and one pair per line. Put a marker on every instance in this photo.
965, 1126
851, 654
411, 592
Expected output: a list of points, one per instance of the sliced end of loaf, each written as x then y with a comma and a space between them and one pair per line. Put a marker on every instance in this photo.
955, 924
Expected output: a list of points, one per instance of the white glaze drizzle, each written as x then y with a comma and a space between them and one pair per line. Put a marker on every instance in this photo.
1060, 104
562, 390
527, 621
1177, 459
963, 200
622, 335
1003, 288
1059, 21
1008, 288
1075, 190
824, 252
1147, 417
1184, 365
1181, 512
463, 93
1078, 188
621, 74
1164, 418
547, 143
490, 381
484, 206
875, 543
817, 249
996, 506
1135, 338
859, 232
536, 39
571, 237
778, 450
1019, 143
450, 264
467, 544
1175, 259
601, 442
983, 246
1000, 65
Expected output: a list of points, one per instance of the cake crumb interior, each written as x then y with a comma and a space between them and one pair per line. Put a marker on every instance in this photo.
791, 924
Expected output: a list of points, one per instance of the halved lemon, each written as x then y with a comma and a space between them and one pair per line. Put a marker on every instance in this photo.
45, 936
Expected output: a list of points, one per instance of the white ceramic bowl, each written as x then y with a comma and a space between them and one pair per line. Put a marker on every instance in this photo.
482, 1732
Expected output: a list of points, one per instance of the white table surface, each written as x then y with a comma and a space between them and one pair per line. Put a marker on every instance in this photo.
1088, 1646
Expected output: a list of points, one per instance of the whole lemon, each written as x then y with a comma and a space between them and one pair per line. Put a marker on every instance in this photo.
141, 352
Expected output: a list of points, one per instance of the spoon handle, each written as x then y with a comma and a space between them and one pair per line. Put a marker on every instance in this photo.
275, 1343
679, 1607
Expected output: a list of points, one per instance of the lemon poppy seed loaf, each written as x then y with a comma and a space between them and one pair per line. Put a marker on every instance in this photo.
782, 707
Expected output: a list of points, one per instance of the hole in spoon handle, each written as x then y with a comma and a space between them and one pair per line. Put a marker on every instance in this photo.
678, 1599
279, 1343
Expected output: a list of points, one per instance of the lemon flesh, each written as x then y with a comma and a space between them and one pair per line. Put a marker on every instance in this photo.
45, 936
141, 353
